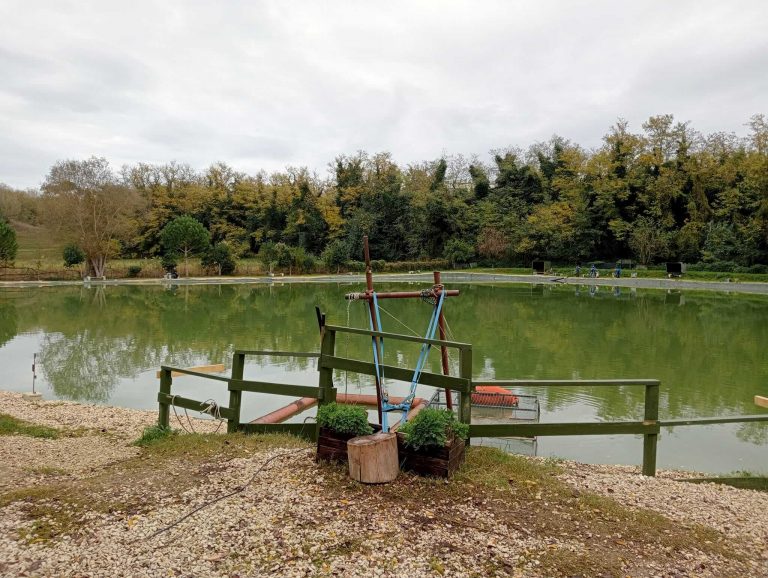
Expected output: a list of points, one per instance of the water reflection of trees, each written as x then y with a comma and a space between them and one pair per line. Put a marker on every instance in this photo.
706, 351
8, 322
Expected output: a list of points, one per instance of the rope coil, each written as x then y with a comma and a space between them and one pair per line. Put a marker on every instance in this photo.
212, 408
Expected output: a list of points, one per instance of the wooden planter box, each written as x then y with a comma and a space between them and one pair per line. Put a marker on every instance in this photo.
332, 446
439, 462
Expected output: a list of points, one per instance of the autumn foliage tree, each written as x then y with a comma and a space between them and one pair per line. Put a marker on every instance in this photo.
84, 203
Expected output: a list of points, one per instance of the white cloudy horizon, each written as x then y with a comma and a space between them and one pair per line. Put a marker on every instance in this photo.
265, 85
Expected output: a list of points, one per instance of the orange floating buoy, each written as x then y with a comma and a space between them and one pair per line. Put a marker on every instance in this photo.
494, 395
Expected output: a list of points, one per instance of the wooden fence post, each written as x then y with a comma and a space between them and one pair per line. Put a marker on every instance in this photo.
325, 383
235, 397
166, 380
650, 440
465, 397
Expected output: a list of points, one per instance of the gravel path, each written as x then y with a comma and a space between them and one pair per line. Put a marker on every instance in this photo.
737, 513
120, 422
92, 436
294, 517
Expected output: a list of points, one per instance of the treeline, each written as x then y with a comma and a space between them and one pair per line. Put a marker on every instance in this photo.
666, 193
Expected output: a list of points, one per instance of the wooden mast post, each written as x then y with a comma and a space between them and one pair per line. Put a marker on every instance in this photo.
443, 348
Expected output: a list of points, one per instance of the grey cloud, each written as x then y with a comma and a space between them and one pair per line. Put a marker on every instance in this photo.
266, 84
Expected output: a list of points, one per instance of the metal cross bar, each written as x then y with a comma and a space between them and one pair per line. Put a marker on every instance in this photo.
394, 295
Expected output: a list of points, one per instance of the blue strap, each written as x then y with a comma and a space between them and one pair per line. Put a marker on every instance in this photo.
405, 405
378, 362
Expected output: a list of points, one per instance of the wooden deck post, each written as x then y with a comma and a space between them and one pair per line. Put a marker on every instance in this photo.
650, 441
166, 380
465, 397
236, 396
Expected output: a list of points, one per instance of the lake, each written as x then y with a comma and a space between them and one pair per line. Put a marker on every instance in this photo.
104, 345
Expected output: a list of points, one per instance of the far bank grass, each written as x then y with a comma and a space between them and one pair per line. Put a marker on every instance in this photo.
49, 268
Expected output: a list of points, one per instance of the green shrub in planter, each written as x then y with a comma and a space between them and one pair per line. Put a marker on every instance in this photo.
344, 419
432, 428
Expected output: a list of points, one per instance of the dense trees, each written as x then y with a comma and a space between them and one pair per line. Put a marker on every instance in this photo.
666, 192
8, 244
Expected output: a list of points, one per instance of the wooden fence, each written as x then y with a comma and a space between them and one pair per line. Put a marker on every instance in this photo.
236, 385
329, 362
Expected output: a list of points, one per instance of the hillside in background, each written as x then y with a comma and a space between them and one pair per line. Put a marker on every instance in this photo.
35, 242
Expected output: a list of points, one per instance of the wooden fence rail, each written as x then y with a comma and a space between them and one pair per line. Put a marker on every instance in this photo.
394, 372
648, 428
236, 385
397, 336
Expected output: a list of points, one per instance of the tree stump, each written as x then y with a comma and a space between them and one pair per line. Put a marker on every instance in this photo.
373, 458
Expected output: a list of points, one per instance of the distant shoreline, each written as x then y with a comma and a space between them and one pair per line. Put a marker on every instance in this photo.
755, 287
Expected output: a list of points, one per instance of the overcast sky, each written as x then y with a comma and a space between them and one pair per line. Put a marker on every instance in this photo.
262, 85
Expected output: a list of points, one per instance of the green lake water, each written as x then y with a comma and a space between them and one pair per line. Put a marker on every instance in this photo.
104, 345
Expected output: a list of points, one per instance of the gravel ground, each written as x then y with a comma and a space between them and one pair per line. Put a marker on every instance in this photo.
120, 422
736, 513
92, 436
296, 518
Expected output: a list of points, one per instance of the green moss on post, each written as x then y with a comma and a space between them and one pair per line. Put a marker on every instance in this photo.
650, 440
166, 380
235, 396
465, 397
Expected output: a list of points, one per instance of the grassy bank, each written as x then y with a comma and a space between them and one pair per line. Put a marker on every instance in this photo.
10, 425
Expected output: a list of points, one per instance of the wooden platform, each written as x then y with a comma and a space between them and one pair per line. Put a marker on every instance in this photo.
761, 401
215, 368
